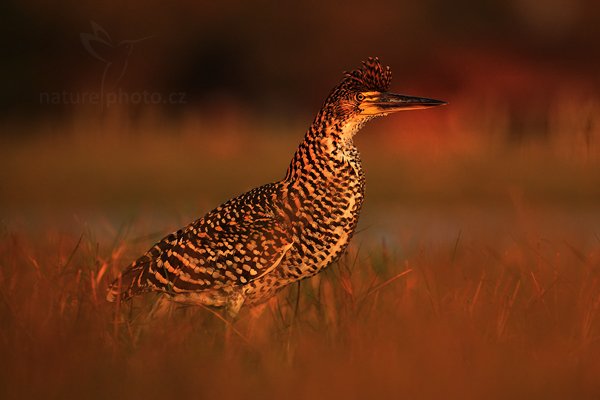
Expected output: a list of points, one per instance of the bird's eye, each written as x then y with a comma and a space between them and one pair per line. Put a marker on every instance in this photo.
360, 97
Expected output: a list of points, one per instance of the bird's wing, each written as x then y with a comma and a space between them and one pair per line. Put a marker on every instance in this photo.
210, 253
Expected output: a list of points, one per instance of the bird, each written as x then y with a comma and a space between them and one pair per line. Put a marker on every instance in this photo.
246, 250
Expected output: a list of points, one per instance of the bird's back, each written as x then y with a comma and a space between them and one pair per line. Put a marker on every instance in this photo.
229, 247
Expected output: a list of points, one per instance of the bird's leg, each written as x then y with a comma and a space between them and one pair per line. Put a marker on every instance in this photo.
233, 305
254, 315
163, 307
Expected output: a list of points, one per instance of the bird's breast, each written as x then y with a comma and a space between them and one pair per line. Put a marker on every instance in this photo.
323, 214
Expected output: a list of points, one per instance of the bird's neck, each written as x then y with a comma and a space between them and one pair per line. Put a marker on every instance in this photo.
326, 148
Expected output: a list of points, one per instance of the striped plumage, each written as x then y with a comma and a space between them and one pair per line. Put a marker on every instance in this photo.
245, 250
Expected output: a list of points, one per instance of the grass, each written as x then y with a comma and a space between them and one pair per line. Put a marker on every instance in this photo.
475, 273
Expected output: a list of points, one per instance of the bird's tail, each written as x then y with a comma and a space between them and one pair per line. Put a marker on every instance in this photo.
114, 290
129, 283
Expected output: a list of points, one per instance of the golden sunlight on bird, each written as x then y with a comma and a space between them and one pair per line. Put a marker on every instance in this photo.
247, 249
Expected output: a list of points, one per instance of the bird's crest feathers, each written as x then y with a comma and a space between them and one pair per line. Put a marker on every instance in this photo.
371, 76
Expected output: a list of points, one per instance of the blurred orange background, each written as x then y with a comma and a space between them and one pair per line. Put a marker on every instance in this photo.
271, 58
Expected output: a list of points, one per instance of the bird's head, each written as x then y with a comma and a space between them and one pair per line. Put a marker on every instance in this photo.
363, 95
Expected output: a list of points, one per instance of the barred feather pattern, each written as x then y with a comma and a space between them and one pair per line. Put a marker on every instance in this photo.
246, 250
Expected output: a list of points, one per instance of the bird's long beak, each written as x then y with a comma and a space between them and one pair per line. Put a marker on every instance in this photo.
385, 103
